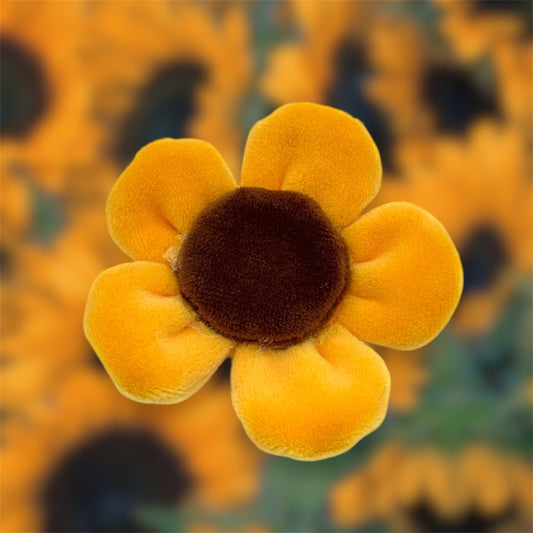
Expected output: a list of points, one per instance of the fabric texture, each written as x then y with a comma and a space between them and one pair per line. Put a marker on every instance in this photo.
325, 390
316, 150
152, 345
250, 241
405, 274
159, 195
319, 397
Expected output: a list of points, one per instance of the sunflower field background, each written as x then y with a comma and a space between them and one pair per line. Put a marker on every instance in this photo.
445, 89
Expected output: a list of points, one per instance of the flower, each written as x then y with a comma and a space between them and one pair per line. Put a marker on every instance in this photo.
399, 51
476, 27
88, 465
15, 206
279, 274
46, 128
424, 489
47, 288
500, 32
430, 94
163, 68
303, 70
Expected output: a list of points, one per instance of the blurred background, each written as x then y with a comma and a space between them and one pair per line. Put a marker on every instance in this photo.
445, 89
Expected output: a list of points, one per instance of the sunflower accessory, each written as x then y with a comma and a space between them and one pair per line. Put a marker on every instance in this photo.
281, 274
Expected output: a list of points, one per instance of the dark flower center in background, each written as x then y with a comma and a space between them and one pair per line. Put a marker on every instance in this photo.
164, 107
23, 91
348, 94
484, 257
522, 10
101, 484
455, 99
263, 266
425, 519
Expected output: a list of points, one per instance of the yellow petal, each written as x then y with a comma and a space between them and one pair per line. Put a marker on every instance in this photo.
313, 400
406, 277
316, 150
161, 192
150, 343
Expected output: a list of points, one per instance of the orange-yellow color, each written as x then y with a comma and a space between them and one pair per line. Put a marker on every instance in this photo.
481, 182
397, 479
160, 177
129, 43
408, 377
319, 396
86, 406
63, 136
305, 142
136, 301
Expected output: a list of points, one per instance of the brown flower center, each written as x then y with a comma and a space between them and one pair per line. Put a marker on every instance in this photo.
263, 266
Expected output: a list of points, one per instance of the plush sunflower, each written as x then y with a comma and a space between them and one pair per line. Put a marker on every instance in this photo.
90, 459
281, 274
424, 489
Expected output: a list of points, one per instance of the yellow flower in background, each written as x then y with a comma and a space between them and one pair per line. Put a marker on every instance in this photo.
429, 93
398, 50
279, 274
501, 32
304, 70
44, 291
46, 129
15, 207
480, 189
513, 64
383, 67
167, 69
476, 27
213, 445
90, 459
423, 489
408, 377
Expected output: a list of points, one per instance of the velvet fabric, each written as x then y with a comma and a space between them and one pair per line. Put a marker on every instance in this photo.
159, 195
319, 396
153, 346
316, 150
250, 241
